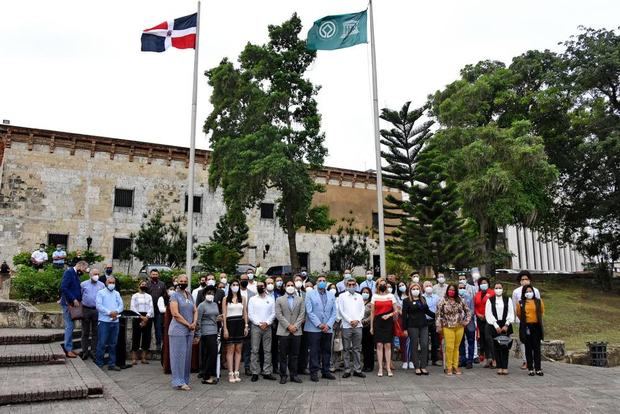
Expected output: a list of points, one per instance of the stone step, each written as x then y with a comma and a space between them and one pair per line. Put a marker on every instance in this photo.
15, 336
31, 354
25, 384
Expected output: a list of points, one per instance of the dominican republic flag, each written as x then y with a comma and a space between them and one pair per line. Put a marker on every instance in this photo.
179, 33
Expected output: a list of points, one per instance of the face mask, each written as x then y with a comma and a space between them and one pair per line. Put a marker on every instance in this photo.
333, 291
428, 290
463, 281
279, 284
347, 276
58, 249
270, 287
322, 284
210, 282
290, 290
304, 274
382, 288
484, 286
415, 293
415, 279
183, 286
351, 290
260, 289
365, 295
243, 283
203, 284
525, 282
109, 272
298, 284
462, 292
475, 276
529, 295
234, 289
111, 286
390, 289
94, 278
41, 249
441, 279
223, 280
368, 277
402, 289
498, 292
250, 276
309, 289
209, 298
450, 293
143, 288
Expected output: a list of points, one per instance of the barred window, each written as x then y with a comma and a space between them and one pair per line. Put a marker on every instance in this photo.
56, 239
123, 198
119, 247
266, 210
197, 204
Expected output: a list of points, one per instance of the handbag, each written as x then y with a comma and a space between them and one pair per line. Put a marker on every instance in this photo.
503, 340
338, 344
398, 327
76, 312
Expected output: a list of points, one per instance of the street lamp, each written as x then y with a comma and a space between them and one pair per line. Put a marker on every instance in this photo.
89, 241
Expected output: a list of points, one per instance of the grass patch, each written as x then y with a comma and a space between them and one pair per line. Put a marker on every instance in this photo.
55, 307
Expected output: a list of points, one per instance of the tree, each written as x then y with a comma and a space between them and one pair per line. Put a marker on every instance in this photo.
404, 142
265, 131
436, 235
225, 247
499, 165
160, 242
349, 245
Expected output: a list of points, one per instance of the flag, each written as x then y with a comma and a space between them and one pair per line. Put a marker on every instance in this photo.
338, 31
179, 33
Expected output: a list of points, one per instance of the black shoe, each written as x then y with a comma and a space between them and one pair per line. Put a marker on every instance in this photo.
297, 380
283, 380
469, 365
539, 373
314, 378
531, 373
269, 377
305, 371
329, 376
248, 372
368, 370
254, 378
114, 368
359, 374
84, 355
346, 375
476, 360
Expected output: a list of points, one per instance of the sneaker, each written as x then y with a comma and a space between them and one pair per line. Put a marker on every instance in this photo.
411, 366
405, 365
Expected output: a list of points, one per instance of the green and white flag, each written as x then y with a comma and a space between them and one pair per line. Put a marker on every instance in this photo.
338, 31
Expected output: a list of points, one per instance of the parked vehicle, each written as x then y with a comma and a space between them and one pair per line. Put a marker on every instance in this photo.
284, 271
146, 269
244, 268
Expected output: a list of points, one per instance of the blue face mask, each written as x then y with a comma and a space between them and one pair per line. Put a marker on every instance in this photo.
462, 292
322, 285
111, 286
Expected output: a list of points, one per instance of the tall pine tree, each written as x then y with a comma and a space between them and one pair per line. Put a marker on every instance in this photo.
404, 141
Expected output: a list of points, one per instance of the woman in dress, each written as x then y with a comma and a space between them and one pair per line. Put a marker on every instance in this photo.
383, 309
181, 334
235, 316
142, 303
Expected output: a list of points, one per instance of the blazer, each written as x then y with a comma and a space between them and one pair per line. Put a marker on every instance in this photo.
70, 288
317, 314
286, 316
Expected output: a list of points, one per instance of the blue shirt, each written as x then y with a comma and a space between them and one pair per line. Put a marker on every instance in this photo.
291, 301
369, 284
89, 292
108, 301
431, 300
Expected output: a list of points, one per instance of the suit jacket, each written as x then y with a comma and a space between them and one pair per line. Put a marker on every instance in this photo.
286, 316
70, 288
317, 314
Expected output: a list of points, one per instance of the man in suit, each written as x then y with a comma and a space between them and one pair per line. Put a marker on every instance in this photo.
71, 295
290, 313
321, 315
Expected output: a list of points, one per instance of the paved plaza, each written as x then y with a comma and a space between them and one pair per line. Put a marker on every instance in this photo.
564, 389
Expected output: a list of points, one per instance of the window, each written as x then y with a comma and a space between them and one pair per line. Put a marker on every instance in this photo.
120, 247
303, 260
375, 221
197, 204
123, 198
266, 210
55, 239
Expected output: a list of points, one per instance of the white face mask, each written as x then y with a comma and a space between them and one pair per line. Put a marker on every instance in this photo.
415, 279
251, 276
210, 282
529, 295
484, 286
498, 292
369, 277
347, 276
415, 293
389, 289
270, 287
475, 276
223, 280
402, 288
94, 278
209, 298
290, 290
365, 295
309, 289
428, 290
298, 284
441, 279
464, 282
333, 291
234, 289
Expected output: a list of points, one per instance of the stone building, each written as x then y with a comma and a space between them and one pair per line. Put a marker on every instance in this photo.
58, 187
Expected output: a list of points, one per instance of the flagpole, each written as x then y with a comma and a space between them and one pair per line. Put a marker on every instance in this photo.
375, 119
192, 157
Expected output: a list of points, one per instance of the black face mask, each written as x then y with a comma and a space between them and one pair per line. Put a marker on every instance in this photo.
260, 289
243, 283
183, 286
203, 284
382, 288
108, 272
143, 288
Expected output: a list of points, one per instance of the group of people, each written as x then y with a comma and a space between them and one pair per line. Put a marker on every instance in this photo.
312, 327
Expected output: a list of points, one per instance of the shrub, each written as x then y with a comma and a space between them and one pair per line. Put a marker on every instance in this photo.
22, 258
37, 286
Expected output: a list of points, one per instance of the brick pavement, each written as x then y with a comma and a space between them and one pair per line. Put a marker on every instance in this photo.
564, 388
29, 336
31, 354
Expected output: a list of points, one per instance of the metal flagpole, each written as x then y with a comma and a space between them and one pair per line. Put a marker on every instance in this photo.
375, 119
192, 156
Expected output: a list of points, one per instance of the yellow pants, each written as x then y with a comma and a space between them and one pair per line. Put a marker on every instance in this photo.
452, 338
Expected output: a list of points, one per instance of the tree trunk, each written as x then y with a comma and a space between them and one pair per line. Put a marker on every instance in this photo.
490, 249
291, 233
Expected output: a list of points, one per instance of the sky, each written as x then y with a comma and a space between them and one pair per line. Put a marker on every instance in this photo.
76, 66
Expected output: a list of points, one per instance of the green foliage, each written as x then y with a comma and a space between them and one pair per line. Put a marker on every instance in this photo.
395, 264
90, 256
225, 248
217, 257
350, 245
160, 242
22, 258
265, 131
37, 286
